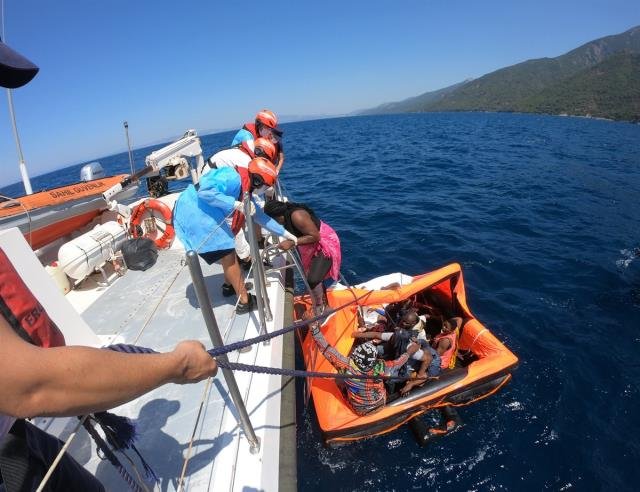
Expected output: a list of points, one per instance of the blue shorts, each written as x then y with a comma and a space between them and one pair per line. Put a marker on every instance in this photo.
212, 256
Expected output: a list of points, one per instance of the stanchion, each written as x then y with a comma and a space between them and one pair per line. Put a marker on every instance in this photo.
212, 327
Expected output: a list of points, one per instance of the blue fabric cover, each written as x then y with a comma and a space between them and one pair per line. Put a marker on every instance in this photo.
241, 136
197, 214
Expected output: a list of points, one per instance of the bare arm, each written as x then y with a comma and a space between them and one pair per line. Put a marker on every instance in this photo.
280, 162
302, 220
443, 345
70, 381
369, 335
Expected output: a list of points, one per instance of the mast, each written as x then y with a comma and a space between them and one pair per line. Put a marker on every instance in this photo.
16, 72
23, 167
126, 131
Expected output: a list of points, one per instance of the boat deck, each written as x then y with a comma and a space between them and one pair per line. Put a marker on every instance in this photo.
188, 431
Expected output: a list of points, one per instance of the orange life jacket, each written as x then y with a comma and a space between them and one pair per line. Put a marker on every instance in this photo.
447, 360
251, 128
238, 218
23, 311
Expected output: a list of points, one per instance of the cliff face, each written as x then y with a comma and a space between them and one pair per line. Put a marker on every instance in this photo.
603, 72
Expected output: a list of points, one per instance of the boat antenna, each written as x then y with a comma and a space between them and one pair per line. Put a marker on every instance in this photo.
126, 131
23, 167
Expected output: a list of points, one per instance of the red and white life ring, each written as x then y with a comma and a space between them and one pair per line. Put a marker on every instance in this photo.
159, 212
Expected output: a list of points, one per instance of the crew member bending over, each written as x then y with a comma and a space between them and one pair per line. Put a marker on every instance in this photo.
318, 244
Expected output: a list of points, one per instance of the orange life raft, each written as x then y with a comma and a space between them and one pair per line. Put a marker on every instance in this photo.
486, 367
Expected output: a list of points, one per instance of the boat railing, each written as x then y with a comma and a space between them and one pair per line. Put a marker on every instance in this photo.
204, 301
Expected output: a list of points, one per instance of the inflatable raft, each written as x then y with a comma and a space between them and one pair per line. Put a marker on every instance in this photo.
48, 215
483, 365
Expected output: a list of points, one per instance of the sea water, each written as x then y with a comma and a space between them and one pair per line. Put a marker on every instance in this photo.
543, 214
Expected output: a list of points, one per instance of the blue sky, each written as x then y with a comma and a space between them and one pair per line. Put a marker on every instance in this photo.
166, 66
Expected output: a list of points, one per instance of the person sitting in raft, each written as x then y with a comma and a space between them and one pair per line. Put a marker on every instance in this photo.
236, 157
318, 245
206, 219
443, 347
446, 343
364, 395
410, 322
396, 343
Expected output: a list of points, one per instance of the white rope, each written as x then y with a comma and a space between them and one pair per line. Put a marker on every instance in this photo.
181, 481
63, 450
26, 211
476, 338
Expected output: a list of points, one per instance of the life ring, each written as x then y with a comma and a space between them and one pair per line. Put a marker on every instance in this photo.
148, 207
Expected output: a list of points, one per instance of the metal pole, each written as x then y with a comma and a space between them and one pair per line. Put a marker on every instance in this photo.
23, 167
126, 131
264, 311
212, 327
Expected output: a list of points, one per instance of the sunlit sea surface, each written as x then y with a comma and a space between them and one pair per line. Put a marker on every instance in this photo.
543, 214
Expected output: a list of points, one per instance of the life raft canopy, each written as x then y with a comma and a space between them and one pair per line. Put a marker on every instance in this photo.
484, 367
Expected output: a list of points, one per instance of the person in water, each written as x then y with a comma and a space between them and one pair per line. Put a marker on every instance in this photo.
207, 218
318, 244
239, 157
265, 125
364, 395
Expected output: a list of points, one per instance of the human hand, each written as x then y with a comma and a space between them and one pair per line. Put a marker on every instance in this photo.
286, 244
287, 235
239, 206
193, 363
406, 388
412, 348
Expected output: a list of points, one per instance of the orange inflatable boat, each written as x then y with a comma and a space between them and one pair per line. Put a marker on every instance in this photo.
483, 365
51, 214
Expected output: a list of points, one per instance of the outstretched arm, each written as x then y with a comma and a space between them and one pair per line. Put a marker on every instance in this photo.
336, 359
67, 381
302, 220
369, 335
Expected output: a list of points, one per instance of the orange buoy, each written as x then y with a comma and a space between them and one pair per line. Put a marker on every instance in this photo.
144, 214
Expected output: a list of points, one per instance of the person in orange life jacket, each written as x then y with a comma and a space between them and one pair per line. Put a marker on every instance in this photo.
39, 376
236, 157
265, 125
240, 155
364, 395
446, 342
444, 345
317, 242
207, 218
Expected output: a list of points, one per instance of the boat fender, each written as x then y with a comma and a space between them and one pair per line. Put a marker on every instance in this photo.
80, 257
59, 277
449, 421
142, 211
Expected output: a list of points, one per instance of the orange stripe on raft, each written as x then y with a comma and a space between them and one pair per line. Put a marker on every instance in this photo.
57, 196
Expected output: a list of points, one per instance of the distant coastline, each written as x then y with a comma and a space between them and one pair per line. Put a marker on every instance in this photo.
600, 79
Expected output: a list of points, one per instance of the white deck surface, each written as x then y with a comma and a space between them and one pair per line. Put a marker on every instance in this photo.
157, 309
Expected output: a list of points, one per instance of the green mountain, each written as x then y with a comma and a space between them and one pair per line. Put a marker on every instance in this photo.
610, 89
408, 105
598, 78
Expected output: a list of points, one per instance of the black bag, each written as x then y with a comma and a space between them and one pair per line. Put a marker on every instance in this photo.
140, 253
